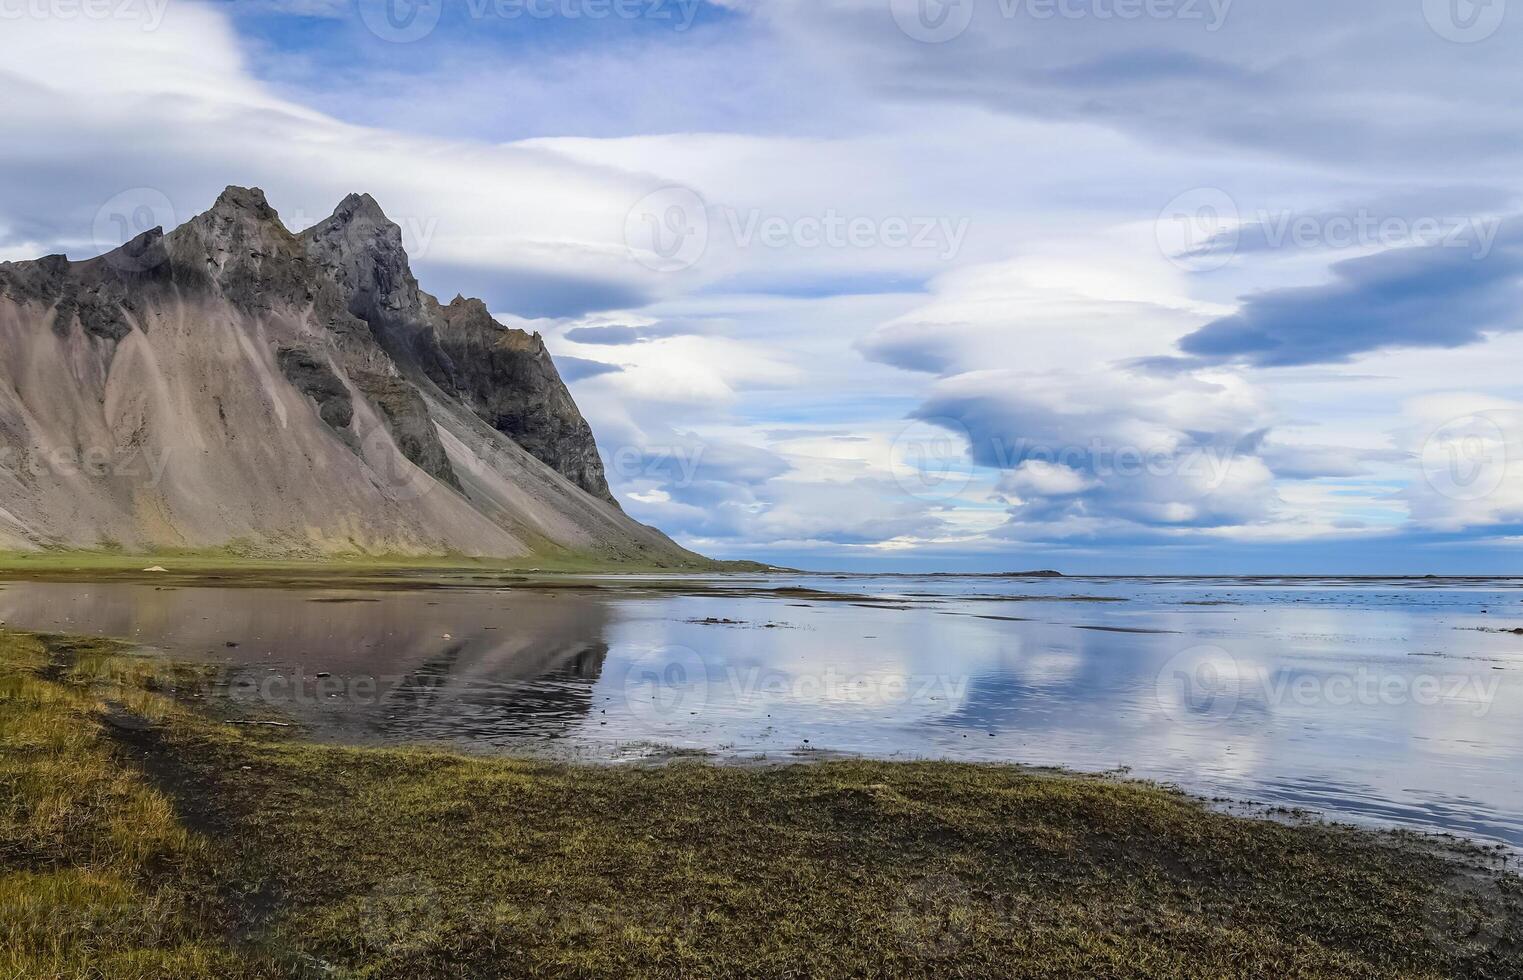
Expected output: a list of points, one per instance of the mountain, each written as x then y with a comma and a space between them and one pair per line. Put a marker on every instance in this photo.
231, 384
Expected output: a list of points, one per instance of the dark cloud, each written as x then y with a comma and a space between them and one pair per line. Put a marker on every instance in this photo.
1073, 468
1435, 212
1148, 65
615, 335
529, 293
928, 347
580, 368
1211, 73
1431, 296
1294, 462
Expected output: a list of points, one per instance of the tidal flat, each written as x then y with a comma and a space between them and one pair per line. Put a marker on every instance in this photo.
1392, 703
148, 832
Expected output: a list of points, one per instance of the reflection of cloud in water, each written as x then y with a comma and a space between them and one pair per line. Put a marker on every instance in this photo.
518, 666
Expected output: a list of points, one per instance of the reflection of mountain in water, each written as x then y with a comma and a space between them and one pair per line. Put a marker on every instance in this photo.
482, 665
525, 686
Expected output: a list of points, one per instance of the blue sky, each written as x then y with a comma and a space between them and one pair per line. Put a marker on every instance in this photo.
1100, 285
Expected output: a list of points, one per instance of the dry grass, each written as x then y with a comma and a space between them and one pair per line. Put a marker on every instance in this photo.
258, 855
95, 860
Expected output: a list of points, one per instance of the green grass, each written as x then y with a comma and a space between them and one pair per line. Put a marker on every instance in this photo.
228, 560
190, 848
100, 876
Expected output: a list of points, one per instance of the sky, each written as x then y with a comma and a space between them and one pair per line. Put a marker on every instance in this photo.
1106, 286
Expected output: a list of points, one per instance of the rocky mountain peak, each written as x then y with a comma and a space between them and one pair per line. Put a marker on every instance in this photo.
359, 225
469, 307
235, 200
241, 217
364, 249
312, 397
240, 246
361, 207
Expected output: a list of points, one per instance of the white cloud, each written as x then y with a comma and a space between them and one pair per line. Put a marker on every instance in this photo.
778, 414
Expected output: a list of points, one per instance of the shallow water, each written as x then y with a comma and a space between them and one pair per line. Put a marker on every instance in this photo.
1393, 702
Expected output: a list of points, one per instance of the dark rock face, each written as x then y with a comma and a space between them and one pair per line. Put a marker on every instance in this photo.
407, 417
315, 379
96, 295
355, 282
508, 378
504, 375
284, 382
98, 315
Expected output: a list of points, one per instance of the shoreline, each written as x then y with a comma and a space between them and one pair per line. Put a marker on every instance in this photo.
212, 561
223, 569
147, 833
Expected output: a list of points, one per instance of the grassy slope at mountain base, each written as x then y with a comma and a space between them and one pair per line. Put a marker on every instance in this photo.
141, 837
64, 562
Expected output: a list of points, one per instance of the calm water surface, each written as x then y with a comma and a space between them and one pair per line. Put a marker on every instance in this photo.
1387, 702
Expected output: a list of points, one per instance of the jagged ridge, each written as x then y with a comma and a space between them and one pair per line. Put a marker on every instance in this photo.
301, 392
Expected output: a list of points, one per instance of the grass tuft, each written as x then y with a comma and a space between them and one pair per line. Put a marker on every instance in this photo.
140, 838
